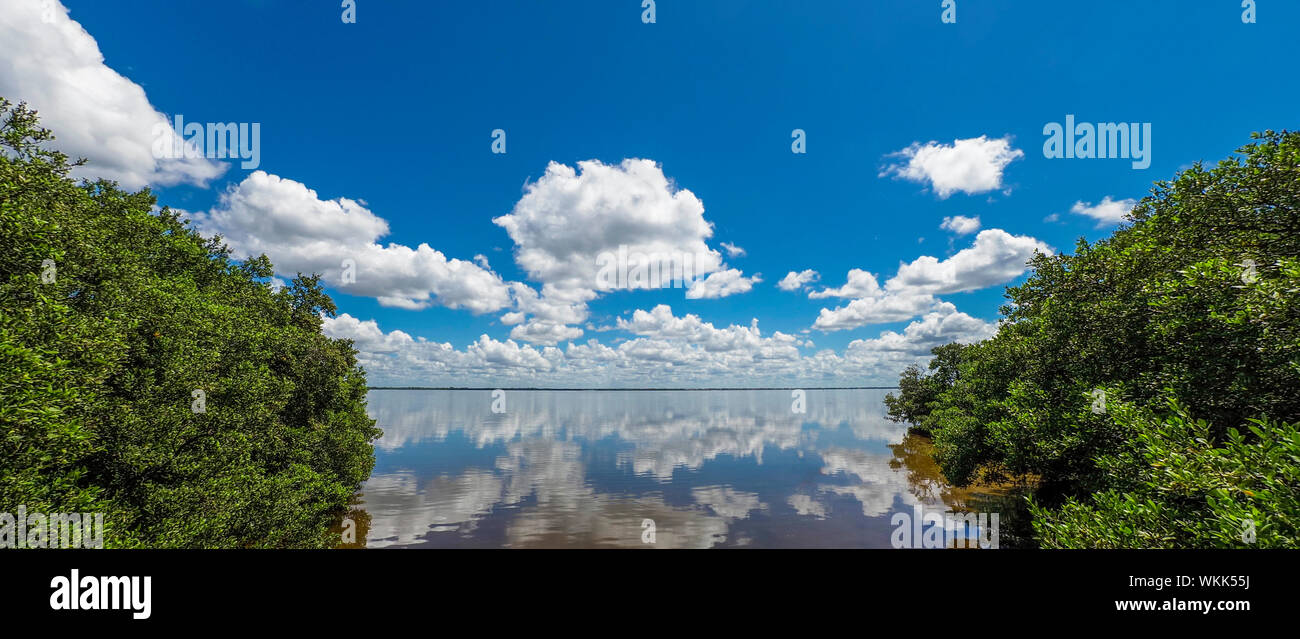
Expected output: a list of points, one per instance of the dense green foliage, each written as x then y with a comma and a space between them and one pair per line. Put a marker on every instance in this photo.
111, 316
1172, 487
918, 390
1188, 315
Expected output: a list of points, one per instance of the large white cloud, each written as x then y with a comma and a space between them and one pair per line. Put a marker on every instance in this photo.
971, 166
572, 221
49, 61
561, 227
301, 232
996, 257
569, 217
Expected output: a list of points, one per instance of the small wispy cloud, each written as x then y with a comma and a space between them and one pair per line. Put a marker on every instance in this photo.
1107, 212
733, 250
960, 224
794, 281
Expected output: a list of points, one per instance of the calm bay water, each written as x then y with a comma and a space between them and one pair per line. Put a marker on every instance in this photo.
587, 468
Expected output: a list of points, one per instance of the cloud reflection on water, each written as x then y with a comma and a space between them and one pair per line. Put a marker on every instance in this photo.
584, 469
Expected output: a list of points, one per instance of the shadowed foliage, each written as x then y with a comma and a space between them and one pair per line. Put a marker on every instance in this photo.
112, 315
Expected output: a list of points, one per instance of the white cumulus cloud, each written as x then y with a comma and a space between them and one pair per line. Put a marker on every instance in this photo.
95, 112
996, 257
860, 284
665, 350
721, 284
574, 222
882, 309
794, 281
945, 324
1107, 212
960, 224
971, 166
300, 232
569, 217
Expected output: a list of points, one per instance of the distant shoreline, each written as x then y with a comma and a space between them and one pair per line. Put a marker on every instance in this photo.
766, 388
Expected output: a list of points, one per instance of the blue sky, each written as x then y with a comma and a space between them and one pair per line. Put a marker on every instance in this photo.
395, 113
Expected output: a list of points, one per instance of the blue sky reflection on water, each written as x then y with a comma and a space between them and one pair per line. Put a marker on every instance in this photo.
585, 468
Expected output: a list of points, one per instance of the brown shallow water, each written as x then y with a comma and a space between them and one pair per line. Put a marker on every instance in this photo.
601, 469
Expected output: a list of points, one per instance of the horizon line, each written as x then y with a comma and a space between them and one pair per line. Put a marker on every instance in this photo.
523, 388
